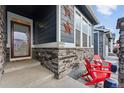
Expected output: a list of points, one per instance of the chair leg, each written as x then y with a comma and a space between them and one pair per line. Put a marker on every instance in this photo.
91, 82
85, 75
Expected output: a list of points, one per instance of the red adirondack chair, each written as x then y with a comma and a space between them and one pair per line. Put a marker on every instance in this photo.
96, 75
100, 63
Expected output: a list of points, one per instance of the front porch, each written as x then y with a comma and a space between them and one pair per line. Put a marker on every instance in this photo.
38, 32
41, 33
30, 74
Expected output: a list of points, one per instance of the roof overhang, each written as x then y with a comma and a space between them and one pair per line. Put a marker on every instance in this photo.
92, 14
88, 12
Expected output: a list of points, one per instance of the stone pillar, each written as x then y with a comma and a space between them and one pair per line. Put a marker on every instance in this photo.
120, 26
2, 38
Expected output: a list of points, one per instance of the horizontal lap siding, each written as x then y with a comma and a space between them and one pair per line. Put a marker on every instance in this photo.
46, 34
96, 43
101, 44
65, 36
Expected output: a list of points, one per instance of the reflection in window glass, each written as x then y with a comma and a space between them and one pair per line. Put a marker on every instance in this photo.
78, 38
84, 40
78, 28
21, 40
78, 21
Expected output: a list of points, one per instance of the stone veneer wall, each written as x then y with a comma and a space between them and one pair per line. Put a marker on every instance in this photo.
47, 56
2, 37
61, 60
120, 26
70, 58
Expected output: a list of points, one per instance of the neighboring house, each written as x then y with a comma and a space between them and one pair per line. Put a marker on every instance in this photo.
58, 36
103, 41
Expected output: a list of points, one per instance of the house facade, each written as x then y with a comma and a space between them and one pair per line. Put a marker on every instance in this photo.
58, 36
103, 41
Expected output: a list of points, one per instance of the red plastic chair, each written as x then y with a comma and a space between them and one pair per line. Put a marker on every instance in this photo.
100, 63
96, 75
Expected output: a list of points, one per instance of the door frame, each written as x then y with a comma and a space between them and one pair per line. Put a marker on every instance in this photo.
19, 19
12, 39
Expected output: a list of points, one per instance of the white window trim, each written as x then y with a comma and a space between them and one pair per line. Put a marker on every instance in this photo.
58, 23
92, 39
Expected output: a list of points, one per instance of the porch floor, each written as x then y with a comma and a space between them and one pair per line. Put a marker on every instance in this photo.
30, 73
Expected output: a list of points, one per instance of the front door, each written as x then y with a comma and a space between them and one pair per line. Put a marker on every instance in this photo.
20, 40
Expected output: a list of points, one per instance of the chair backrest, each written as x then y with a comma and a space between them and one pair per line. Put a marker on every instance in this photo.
87, 64
89, 68
97, 58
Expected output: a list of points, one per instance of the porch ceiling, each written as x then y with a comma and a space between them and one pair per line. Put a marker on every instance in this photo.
30, 11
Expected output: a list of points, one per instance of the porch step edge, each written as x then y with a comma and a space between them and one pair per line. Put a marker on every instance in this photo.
21, 67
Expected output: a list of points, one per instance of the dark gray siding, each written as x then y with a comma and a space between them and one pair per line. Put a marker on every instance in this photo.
101, 43
46, 31
96, 43
65, 36
44, 15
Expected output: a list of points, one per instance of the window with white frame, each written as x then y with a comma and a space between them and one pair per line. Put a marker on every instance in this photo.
83, 30
78, 28
90, 36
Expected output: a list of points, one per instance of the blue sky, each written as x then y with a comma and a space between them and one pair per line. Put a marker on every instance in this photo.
108, 15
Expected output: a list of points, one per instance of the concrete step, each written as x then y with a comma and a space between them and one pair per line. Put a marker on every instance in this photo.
26, 77
19, 65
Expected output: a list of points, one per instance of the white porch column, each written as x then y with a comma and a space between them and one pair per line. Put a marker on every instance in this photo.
58, 24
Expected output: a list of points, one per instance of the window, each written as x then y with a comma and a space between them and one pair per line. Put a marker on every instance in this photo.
78, 38
84, 40
83, 30
78, 29
90, 36
78, 21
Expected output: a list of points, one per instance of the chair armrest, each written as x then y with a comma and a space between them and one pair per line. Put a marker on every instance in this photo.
105, 66
107, 62
94, 65
102, 71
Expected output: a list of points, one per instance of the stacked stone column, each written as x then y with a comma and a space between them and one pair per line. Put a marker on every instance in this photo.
2, 37
120, 26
